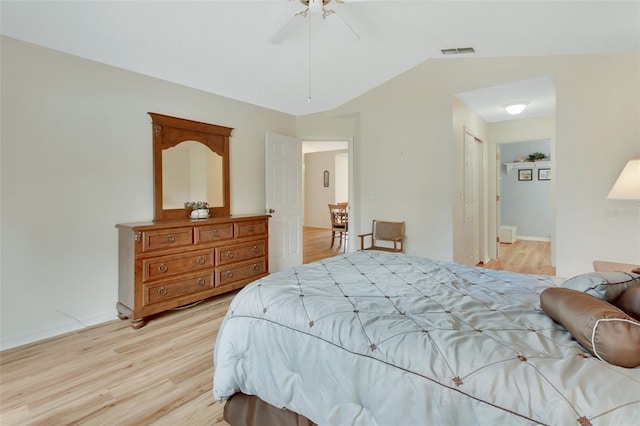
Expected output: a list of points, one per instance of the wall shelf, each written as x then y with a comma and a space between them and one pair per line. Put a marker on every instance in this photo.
528, 165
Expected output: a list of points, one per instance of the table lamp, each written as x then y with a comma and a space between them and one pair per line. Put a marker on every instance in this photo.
627, 187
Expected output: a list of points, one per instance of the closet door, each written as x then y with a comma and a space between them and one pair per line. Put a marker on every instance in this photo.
472, 199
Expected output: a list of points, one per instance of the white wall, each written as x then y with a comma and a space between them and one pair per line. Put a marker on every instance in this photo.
342, 178
598, 131
76, 160
408, 155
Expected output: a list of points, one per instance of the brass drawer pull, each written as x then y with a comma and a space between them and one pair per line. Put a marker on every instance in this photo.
170, 238
201, 282
251, 228
256, 267
200, 260
229, 274
162, 267
230, 255
216, 233
162, 291
256, 249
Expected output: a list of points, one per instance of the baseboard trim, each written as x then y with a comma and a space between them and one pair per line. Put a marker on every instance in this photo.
524, 237
56, 330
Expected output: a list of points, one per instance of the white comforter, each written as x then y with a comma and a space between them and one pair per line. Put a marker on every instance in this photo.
374, 338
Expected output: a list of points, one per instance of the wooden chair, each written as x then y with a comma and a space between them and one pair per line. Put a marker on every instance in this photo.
339, 222
389, 232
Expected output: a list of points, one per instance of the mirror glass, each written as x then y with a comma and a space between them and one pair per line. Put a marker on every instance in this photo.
191, 172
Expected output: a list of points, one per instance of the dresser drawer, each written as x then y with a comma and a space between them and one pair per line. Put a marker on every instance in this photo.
165, 266
237, 253
240, 271
166, 238
212, 233
250, 228
154, 293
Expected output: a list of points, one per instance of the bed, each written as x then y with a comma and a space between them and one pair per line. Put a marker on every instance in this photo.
378, 338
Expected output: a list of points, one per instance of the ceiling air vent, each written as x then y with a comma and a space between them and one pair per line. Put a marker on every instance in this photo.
458, 50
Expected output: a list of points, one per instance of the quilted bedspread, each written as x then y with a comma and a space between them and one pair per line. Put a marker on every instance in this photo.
377, 338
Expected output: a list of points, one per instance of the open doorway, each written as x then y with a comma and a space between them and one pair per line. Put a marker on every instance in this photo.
525, 217
326, 180
484, 110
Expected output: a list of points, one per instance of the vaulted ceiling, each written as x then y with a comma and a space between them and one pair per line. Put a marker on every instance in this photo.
226, 47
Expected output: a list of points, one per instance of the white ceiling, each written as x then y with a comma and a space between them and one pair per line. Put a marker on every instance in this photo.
539, 94
223, 47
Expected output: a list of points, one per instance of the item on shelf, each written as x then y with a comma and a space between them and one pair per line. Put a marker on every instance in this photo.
537, 156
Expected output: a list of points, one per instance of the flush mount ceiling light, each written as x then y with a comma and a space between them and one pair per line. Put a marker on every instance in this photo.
516, 108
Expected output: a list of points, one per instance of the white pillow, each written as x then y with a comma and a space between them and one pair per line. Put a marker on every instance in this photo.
607, 286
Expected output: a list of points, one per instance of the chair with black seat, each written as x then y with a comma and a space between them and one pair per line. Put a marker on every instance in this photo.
339, 222
384, 235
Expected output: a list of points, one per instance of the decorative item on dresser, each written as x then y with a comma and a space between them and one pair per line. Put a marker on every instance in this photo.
164, 265
174, 261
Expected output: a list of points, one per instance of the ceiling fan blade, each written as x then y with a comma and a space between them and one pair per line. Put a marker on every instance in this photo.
285, 31
355, 33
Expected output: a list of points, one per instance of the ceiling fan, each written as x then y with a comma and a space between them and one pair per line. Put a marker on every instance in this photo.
312, 7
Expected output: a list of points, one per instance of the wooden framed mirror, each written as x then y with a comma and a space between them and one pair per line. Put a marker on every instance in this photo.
190, 163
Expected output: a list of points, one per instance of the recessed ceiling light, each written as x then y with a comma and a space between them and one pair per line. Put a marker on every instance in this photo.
516, 108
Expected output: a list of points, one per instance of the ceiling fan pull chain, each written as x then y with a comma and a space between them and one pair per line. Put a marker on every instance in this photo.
309, 94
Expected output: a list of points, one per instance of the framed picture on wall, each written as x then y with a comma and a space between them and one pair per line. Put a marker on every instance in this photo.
544, 174
525, 174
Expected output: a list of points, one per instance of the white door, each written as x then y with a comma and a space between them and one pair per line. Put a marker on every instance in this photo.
283, 194
472, 199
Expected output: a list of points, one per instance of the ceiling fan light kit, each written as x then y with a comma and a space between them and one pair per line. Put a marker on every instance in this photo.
315, 6
312, 7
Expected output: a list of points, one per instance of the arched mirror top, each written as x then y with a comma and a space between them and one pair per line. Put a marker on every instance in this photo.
168, 132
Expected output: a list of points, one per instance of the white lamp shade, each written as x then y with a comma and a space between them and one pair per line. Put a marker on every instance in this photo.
627, 187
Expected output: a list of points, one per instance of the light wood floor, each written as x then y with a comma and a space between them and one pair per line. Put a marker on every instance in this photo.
110, 374
161, 374
528, 257
317, 245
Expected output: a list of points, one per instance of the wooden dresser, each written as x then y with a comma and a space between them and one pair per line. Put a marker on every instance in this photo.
167, 264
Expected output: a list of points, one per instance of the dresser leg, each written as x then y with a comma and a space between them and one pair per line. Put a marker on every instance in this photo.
136, 324
123, 312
